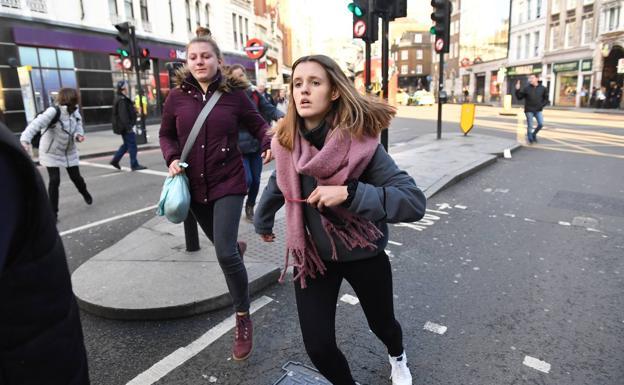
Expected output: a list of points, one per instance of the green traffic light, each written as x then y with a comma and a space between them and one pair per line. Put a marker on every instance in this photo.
357, 11
432, 30
123, 52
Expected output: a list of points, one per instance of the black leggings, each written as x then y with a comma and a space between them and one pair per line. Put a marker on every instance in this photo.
55, 180
371, 280
220, 219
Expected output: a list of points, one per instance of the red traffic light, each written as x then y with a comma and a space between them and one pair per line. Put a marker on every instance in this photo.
144, 52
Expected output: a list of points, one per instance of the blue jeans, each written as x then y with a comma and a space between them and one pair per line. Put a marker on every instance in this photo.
129, 145
531, 133
253, 170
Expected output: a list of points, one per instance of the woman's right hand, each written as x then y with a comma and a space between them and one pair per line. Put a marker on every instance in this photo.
174, 168
27, 147
268, 237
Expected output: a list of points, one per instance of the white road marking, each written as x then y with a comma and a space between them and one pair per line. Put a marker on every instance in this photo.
529, 220
348, 298
126, 169
395, 243
180, 356
461, 207
510, 215
435, 328
111, 219
536, 364
562, 223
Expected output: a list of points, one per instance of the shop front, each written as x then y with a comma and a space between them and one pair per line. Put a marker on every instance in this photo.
573, 83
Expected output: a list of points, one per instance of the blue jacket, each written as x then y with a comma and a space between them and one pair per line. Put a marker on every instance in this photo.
247, 143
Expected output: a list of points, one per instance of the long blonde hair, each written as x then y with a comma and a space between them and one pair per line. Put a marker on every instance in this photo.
352, 112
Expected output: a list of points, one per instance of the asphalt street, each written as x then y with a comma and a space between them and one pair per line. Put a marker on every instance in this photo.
522, 263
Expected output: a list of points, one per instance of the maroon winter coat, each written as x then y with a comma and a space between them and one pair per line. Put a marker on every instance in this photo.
215, 162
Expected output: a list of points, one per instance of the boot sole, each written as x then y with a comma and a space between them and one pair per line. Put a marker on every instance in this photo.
242, 358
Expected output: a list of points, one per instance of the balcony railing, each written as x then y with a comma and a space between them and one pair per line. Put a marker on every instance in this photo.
11, 3
37, 6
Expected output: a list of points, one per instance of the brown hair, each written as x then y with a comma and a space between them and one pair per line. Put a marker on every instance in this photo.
352, 112
67, 97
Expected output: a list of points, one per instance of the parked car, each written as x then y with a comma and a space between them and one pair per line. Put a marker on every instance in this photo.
422, 98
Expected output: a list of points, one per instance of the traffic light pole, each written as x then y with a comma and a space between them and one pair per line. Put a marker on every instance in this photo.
440, 88
141, 133
385, 24
367, 68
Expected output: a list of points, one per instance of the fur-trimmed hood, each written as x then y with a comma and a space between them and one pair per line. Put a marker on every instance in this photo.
226, 83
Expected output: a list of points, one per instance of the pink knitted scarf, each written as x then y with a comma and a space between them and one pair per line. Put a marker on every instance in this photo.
341, 159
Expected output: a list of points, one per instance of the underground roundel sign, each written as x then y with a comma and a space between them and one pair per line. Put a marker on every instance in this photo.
439, 45
359, 28
255, 48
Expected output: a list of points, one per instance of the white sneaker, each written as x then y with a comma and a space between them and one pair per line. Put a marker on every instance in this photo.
400, 374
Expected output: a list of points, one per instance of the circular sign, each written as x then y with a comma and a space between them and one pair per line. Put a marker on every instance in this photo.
439, 44
359, 28
255, 48
126, 63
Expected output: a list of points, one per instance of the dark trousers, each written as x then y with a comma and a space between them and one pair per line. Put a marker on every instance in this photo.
129, 145
55, 180
253, 171
219, 220
371, 280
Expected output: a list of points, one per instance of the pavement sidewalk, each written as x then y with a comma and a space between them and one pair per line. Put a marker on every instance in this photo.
150, 275
105, 142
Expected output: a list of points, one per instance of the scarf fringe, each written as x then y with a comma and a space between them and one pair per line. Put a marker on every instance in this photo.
307, 262
358, 232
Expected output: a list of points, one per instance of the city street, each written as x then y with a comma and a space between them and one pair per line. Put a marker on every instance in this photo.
520, 266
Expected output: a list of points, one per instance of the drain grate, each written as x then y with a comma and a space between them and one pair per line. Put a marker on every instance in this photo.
299, 374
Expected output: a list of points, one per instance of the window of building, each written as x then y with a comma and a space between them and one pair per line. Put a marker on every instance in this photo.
112, 8
240, 31
419, 69
570, 34
570, 4
555, 7
610, 19
246, 30
538, 9
418, 38
519, 47
188, 15
234, 31
587, 2
51, 70
171, 15
419, 54
129, 9
197, 14
536, 43
588, 27
207, 15
554, 37
404, 69
527, 45
529, 9
144, 14
404, 54
520, 13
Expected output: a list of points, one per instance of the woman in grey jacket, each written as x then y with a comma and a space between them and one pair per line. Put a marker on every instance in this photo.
340, 188
60, 127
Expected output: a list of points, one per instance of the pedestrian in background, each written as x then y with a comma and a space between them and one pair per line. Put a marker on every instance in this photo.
535, 98
41, 339
215, 167
57, 147
340, 188
282, 101
124, 119
248, 144
614, 95
265, 92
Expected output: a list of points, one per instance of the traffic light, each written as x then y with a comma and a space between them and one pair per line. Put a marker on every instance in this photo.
365, 21
442, 17
124, 39
144, 59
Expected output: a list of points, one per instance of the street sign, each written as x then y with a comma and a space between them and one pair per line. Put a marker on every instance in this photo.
126, 63
359, 28
255, 48
439, 44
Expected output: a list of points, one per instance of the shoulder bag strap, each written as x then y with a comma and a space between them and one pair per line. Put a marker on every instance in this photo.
199, 122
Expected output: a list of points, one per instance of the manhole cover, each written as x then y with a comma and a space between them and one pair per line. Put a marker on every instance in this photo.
299, 374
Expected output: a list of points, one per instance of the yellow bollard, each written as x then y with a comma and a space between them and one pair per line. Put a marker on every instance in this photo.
507, 110
466, 121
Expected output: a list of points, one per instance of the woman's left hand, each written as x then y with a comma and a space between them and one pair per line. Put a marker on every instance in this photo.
328, 196
267, 156
80, 138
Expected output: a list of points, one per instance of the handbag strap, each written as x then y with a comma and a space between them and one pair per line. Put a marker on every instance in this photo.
199, 122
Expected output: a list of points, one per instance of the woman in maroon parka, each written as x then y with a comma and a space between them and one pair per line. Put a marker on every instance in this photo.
216, 174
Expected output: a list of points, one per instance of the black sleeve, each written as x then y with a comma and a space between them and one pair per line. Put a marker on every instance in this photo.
10, 206
271, 201
520, 94
127, 115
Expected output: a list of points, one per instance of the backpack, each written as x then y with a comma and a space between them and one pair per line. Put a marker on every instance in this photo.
35, 140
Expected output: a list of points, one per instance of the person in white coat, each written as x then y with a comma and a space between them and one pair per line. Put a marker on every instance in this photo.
57, 147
